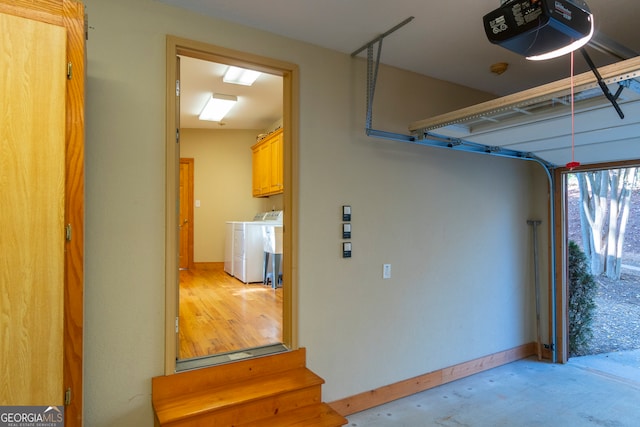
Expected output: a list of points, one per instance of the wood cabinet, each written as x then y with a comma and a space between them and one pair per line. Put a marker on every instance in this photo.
42, 198
267, 157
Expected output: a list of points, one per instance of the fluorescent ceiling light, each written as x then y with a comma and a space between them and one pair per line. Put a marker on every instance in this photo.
240, 76
217, 107
567, 49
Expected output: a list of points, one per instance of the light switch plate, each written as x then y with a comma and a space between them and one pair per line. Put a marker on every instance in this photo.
346, 250
346, 230
346, 213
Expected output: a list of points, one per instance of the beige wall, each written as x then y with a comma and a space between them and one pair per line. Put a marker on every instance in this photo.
453, 225
222, 184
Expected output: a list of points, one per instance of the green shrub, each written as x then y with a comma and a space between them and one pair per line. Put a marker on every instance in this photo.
582, 293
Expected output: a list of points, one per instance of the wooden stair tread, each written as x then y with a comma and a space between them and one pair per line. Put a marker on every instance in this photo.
227, 396
166, 386
318, 415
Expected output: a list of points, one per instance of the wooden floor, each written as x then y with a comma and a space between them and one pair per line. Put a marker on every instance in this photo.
220, 314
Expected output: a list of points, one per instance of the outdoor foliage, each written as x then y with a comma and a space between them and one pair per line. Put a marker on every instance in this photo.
605, 197
582, 293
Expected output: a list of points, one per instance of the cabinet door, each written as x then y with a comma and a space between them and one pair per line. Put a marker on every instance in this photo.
268, 164
32, 195
255, 170
276, 163
264, 173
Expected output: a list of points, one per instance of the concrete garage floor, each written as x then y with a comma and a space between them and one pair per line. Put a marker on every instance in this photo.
601, 390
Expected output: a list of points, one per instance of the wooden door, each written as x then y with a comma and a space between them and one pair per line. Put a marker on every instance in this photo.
186, 213
32, 196
42, 204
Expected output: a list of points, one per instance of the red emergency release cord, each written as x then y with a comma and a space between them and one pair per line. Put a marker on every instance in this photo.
572, 164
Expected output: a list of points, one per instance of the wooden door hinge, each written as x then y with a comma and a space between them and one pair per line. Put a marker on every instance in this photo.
69, 70
67, 397
86, 26
67, 232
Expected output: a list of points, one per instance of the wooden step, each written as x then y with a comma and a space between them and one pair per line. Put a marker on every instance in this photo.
318, 415
276, 390
243, 401
167, 386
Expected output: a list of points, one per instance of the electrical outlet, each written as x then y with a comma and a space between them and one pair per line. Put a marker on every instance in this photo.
386, 271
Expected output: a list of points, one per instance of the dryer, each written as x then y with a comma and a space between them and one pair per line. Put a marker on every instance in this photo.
247, 251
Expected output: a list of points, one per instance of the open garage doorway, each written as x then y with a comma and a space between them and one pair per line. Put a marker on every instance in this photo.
603, 220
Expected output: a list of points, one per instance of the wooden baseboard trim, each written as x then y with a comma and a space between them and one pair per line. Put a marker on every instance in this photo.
207, 265
391, 392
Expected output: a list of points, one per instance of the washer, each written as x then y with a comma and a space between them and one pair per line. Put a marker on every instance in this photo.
244, 246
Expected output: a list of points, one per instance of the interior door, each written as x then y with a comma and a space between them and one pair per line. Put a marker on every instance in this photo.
32, 195
186, 213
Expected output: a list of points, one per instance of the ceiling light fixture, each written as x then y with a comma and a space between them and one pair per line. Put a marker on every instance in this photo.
240, 76
566, 49
540, 29
217, 107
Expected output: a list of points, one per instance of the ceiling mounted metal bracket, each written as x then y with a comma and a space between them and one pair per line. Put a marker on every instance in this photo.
425, 138
631, 84
372, 77
382, 36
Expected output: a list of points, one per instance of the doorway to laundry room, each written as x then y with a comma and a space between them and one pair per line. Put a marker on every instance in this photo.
230, 303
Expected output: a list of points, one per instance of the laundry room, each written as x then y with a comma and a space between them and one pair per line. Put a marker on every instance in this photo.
222, 186
230, 214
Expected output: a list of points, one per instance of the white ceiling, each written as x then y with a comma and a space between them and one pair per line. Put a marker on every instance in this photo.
445, 39
259, 106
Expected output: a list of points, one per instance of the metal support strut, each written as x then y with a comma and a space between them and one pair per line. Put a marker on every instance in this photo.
605, 89
534, 225
372, 77
425, 138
